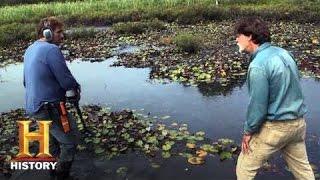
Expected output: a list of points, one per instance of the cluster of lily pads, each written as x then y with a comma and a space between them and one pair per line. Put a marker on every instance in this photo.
202, 73
110, 134
12, 54
303, 40
114, 133
9, 138
216, 61
4, 165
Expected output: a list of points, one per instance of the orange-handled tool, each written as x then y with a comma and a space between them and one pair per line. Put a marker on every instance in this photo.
64, 118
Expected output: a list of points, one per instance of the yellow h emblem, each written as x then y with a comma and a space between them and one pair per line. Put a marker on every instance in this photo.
42, 136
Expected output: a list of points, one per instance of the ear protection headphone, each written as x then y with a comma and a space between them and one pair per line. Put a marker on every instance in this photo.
47, 30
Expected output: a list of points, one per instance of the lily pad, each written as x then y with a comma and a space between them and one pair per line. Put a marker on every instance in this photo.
201, 153
165, 117
191, 145
166, 154
122, 170
154, 165
225, 141
166, 147
99, 150
225, 155
196, 160
186, 155
200, 133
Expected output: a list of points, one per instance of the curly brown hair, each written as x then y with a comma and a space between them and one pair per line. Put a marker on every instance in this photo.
256, 27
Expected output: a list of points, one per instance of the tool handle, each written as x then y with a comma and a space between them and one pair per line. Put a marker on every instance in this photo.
63, 108
64, 118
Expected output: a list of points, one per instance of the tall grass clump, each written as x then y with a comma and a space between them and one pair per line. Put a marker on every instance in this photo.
187, 42
17, 2
82, 32
138, 27
129, 28
156, 24
16, 32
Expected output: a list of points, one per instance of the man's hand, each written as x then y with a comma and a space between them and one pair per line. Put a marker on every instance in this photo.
73, 96
245, 148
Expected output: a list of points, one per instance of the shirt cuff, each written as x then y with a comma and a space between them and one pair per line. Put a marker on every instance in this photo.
247, 133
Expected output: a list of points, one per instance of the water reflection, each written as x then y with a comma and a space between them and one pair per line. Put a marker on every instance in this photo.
204, 108
216, 89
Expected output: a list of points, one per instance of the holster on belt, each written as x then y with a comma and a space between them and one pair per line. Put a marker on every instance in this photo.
64, 117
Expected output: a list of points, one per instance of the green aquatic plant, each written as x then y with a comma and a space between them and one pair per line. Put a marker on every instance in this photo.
187, 42
116, 133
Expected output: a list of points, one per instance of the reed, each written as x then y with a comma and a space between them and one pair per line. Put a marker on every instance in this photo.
107, 12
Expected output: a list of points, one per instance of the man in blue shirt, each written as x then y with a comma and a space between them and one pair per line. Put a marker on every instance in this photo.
46, 80
275, 113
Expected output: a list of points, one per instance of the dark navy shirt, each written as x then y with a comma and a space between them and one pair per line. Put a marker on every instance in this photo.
46, 75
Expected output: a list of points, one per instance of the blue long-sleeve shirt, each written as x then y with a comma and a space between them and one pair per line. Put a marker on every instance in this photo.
274, 87
46, 75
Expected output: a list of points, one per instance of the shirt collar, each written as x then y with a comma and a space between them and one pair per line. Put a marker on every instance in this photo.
259, 49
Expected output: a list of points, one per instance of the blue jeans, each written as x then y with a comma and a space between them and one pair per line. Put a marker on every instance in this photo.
62, 145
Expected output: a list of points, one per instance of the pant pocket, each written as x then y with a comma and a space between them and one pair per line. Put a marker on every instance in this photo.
276, 138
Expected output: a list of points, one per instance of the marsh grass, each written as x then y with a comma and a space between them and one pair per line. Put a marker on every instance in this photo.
16, 32
138, 27
19, 18
82, 32
94, 8
17, 2
187, 42
129, 28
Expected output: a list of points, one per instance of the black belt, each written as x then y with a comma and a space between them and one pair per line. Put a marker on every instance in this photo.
52, 107
284, 120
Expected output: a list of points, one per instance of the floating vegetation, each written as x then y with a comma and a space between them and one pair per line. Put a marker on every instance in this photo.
217, 61
5, 164
122, 132
115, 133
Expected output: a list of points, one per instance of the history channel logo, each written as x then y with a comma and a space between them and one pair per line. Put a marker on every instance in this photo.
24, 160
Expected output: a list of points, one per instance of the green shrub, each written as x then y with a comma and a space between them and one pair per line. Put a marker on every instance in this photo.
107, 12
82, 32
17, 2
194, 14
16, 31
156, 24
137, 27
129, 28
187, 42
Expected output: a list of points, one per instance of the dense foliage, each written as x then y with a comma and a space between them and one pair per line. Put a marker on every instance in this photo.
106, 12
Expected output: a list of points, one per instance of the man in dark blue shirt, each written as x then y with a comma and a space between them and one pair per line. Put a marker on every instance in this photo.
46, 80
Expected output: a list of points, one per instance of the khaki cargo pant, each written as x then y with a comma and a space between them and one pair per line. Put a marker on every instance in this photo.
286, 136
